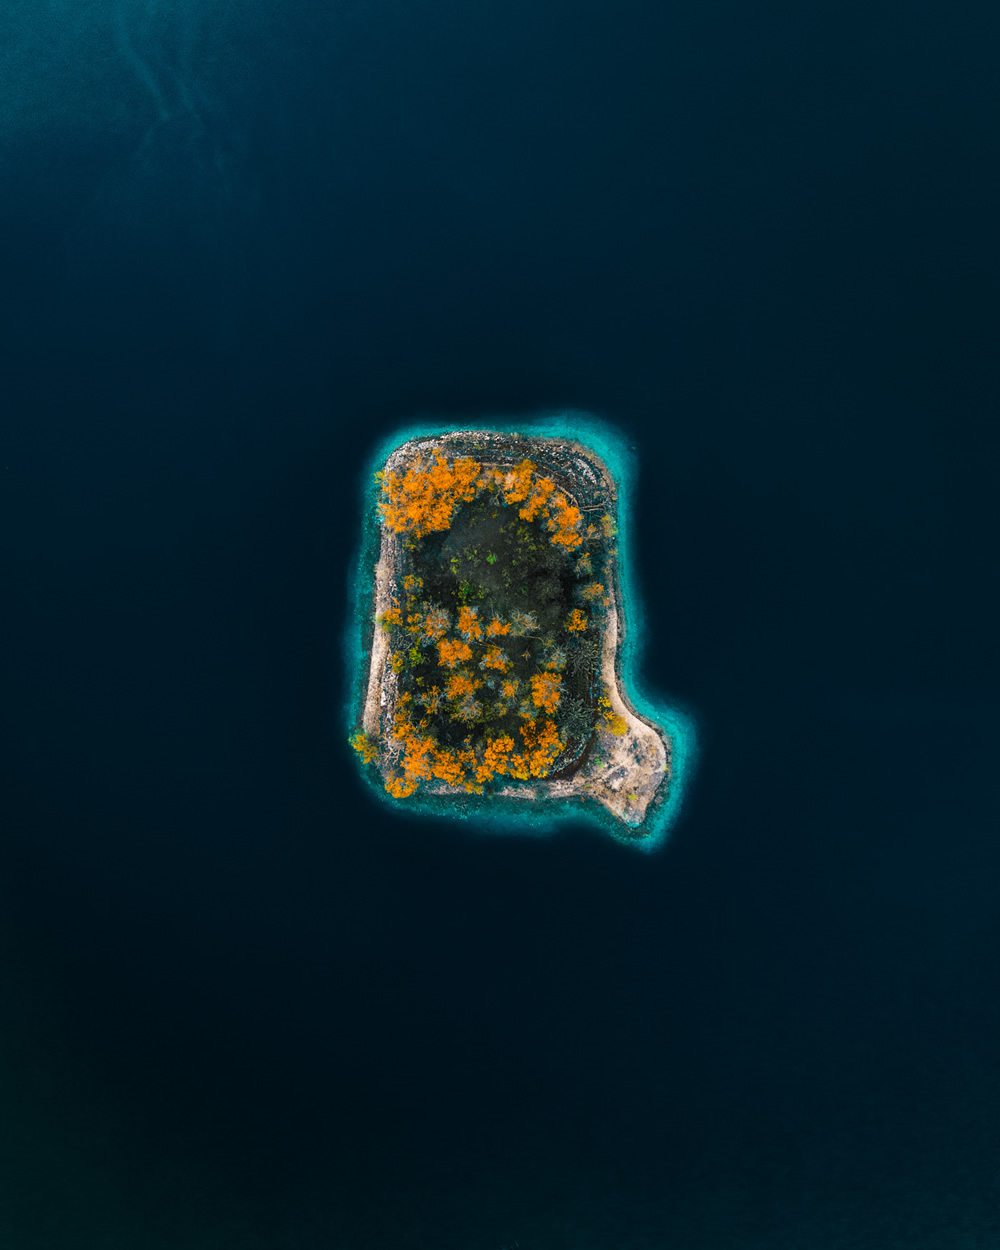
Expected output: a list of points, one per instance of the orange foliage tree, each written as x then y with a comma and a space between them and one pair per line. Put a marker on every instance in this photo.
545, 690
453, 652
495, 658
459, 684
427, 495
595, 593
468, 624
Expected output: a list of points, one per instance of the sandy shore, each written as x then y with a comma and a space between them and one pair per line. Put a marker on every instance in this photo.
385, 582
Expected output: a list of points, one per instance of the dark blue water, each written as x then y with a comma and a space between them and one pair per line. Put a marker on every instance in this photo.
244, 1006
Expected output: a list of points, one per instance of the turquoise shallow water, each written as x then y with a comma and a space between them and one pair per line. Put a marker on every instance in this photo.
505, 815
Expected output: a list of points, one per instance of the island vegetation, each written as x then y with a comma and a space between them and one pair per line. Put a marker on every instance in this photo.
495, 628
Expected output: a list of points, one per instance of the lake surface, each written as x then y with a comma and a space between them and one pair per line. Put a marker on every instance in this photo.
243, 1004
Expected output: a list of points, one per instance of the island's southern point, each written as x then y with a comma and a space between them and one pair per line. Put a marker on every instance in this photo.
491, 657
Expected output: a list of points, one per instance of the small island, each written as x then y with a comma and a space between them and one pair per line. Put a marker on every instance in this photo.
495, 634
